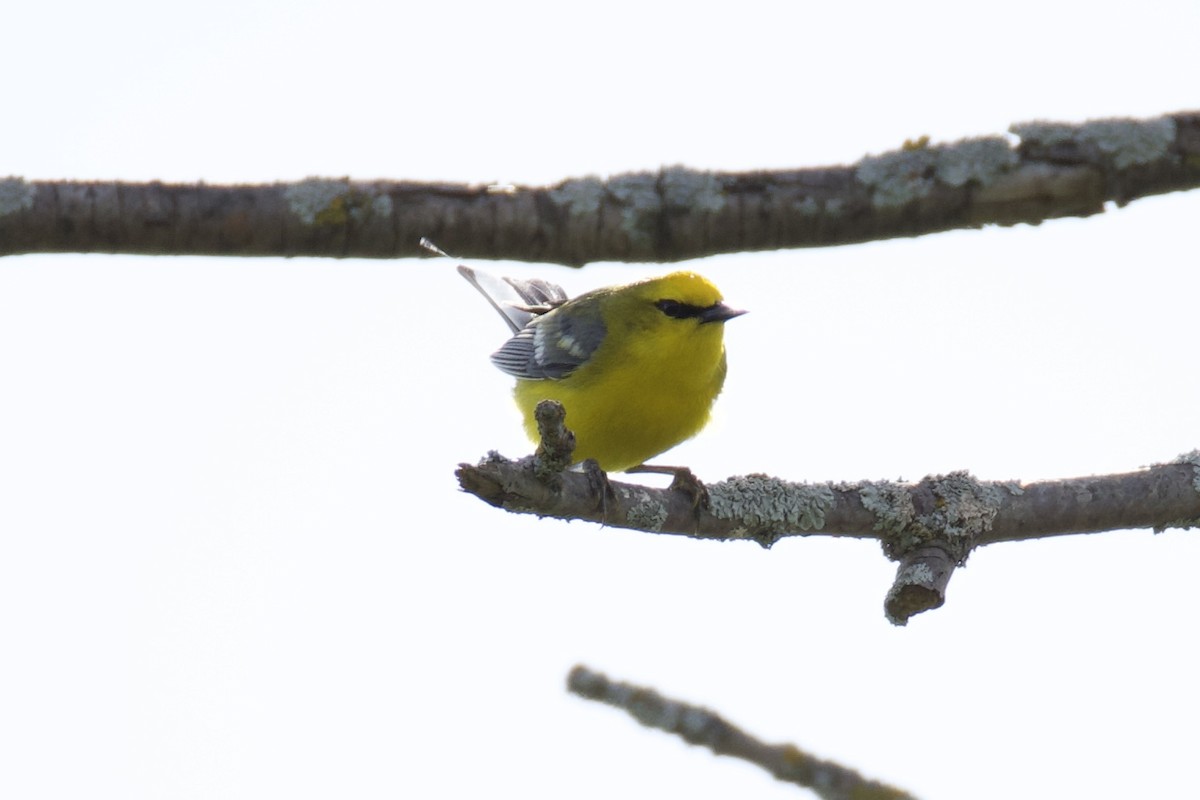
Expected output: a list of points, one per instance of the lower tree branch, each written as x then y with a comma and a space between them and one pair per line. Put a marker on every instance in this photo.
929, 527
699, 726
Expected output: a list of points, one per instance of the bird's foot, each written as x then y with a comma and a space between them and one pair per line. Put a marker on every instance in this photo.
682, 480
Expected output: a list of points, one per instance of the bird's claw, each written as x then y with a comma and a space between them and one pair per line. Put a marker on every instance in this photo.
684, 481
600, 486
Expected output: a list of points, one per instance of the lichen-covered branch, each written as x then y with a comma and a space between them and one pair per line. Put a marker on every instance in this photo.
928, 527
1054, 170
957, 511
699, 726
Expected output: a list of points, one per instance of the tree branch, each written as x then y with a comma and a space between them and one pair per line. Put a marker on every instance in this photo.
699, 726
1057, 170
929, 527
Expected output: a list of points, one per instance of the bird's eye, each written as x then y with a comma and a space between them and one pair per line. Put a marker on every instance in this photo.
678, 310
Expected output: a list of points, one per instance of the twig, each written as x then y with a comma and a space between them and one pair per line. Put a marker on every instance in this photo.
699, 726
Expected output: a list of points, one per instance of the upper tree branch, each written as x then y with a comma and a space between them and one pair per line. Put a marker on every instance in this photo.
1056, 170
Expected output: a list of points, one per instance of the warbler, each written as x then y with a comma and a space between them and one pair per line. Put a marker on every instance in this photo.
636, 367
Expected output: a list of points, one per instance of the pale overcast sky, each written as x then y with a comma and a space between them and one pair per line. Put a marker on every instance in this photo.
234, 562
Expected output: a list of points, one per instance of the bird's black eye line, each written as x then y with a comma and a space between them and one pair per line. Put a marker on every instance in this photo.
678, 310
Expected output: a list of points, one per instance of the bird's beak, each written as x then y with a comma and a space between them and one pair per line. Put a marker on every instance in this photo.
719, 312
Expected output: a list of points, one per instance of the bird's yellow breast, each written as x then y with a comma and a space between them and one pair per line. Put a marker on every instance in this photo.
649, 385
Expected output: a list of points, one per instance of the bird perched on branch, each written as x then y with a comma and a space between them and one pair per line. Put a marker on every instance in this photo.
636, 367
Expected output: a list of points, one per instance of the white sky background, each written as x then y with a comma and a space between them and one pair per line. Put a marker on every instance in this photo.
234, 562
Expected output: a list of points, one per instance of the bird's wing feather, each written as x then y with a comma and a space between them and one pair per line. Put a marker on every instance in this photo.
518, 301
554, 344
537, 292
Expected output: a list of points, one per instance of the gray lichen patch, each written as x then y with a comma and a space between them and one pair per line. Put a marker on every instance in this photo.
580, 198
691, 190
1192, 458
1181, 524
901, 176
809, 206
915, 574
314, 199
1044, 133
898, 177
1131, 142
1128, 142
974, 160
640, 203
962, 509
967, 506
760, 503
891, 503
15, 195
381, 205
788, 200
645, 512
635, 190
321, 201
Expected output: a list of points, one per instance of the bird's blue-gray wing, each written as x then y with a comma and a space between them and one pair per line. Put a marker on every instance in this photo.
554, 344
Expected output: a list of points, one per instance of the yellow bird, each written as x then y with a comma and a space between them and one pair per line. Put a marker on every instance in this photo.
636, 367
